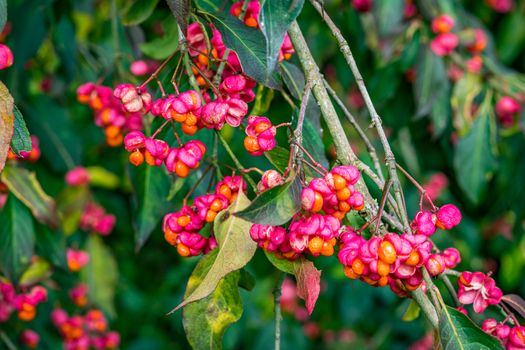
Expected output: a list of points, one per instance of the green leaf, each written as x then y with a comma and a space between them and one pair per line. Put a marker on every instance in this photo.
249, 44
161, 48
51, 245
431, 76
515, 302
474, 161
21, 141
59, 141
389, 14
6, 123
181, 11
293, 78
3, 14
275, 18
71, 203
235, 249
463, 95
101, 177
100, 274
150, 186
510, 36
138, 12
412, 312
440, 112
39, 270
457, 331
206, 320
275, 206
207, 5
307, 276
25, 186
263, 99
17, 238
278, 157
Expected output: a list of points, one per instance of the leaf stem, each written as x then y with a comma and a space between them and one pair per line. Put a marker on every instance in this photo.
426, 306
7, 341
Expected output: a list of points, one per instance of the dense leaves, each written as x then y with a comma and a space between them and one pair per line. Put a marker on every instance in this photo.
20, 141
7, 122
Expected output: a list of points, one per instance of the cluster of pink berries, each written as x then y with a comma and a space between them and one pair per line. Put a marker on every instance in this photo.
513, 338
78, 295
260, 135
446, 41
507, 108
445, 218
76, 259
81, 332
501, 6
95, 219
156, 152
334, 193
31, 156
478, 289
181, 228
310, 231
109, 112
24, 304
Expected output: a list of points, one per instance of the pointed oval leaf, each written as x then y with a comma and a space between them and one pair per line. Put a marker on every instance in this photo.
151, 186
160, 48
235, 249
21, 141
458, 332
6, 123
138, 12
249, 44
474, 161
430, 77
412, 312
100, 274
3, 14
181, 11
25, 186
307, 276
206, 320
71, 202
275, 19
39, 270
275, 206
17, 238
101, 177
51, 245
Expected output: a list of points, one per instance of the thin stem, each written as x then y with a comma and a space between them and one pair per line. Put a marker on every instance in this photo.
236, 161
351, 119
384, 196
155, 74
210, 83
376, 120
420, 188
257, 170
160, 129
450, 288
277, 311
194, 187
7, 341
218, 75
175, 132
115, 36
431, 287
191, 77
511, 320
297, 148
345, 153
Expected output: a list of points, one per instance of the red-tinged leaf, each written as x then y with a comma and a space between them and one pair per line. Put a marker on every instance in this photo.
307, 276
516, 302
7, 120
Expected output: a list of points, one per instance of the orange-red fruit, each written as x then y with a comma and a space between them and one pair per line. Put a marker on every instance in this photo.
181, 169
183, 250
216, 205
251, 144
387, 252
357, 266
413, 258
170, 237
328, 249
251, 22
183, 220
315, 245
225, 191
350, 273
136, 158
318, 203
339, 182
210, 215
343, 194
383, 269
